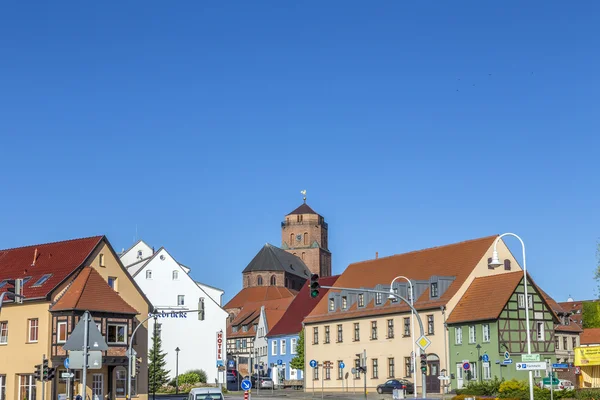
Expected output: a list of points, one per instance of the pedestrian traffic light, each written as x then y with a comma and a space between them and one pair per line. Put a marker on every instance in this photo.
37, 375
51, 373
16, 291
201, 309
424, 363
314, 286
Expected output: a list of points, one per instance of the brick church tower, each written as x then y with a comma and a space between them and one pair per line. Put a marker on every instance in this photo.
304, 234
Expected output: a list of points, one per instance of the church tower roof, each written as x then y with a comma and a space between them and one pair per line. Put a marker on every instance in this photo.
272, 258
303, 209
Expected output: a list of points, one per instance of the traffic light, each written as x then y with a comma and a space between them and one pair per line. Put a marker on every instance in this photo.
314, 286
138, 365
51, 373
16, 289
37, 375
45, 369
424, 363
201, 309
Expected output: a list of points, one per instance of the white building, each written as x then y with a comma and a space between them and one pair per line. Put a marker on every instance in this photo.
168, 285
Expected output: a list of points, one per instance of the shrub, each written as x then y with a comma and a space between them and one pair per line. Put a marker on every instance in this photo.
587, 394
201, 373
485, 388
513, 386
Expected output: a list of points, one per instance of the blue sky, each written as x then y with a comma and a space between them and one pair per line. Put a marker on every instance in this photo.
410, 125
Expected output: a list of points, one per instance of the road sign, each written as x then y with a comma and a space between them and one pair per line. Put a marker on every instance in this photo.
423, 342
246, 384
577, 370
342, 365
95, 360
466, 366
530, 357
279, 362
231, 363
485, 358
67, 375
66, 363
96, 341
313, 363
443, 378
506, 355
509, 361
530, 366
560, 365
353, 370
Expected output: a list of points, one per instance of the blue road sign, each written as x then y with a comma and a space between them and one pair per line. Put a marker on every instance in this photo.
255, 366
279, 362
466, 366
485, 358
560, 365
66, 363
219, 363
313, 363
509, 361
506, 355
342, 365
231, 363
246, 384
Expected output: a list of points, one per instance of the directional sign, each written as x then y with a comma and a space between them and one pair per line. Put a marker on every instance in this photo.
506, 355
67, 375
246, 384
530, 357
66, 363
423, 342
530, 366
342, 365
485, 358
96, 341
279, 362
466, 366
313, 363
231, 363
443, 378
560, 365
509, 361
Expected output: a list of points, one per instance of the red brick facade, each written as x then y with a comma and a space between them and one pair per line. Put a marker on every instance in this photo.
306, 236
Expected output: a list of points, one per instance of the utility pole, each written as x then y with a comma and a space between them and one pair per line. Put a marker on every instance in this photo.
44, 369
365, 371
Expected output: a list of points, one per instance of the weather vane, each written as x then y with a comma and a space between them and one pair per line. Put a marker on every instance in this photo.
303, 192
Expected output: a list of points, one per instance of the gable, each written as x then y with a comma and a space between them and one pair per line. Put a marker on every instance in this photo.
131, 255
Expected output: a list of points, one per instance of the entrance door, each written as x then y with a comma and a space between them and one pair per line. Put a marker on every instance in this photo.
97, 387
293, 374
459, 376
433, 383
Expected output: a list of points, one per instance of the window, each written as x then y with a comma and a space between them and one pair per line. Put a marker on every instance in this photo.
27, 388
357, 366
361, 300
291, 239
305, 238
565, 343
395, 299
473, 371
303, 255
244, 343
331, 304
315, 335
101, 260
530, 301
33, 330
378, 298
282, 346
175, 275
430, 325
373, 330
299, 217
121, 382
244, 328
486, 333
234, 328
574, 342
116, 334
327, 334
458, 335
61, 332
40, 282
434, 289
2, 387
539, 329
259, 280
3, 332
139, 254
567, 320
181, 300
506, 268
149, 274
375, 368
557, 342
391, 372
326, 372
340, 370
390, 326
407, 367
407, 326
273, 280
521, 300
472, 334
356, 331
340, 334
487, 373
344, 302
316, 373
112, 282
293, 345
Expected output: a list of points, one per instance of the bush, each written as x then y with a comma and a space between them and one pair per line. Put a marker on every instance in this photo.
513, 386
485, 388
465, 396
189, 378
201, 373
587, 394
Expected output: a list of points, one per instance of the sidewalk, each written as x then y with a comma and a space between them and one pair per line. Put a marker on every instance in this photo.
301, 394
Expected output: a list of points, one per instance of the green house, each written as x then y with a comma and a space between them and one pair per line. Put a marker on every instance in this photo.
487, 331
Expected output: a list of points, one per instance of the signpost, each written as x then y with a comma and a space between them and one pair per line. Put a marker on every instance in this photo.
529, 366
530, 357
485, 358
506, 362
506, 355
313, 364
561, 365
246, 384
423, 342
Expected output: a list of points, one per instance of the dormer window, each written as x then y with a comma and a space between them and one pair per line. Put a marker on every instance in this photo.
244, 328
234, 328
378, 298
361, 300
434, 289
331, 305
344, 302
139, 254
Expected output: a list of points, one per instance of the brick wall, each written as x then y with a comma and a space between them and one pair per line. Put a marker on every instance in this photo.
251, 278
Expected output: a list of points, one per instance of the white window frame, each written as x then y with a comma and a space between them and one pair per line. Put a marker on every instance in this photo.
2, 387
175, 275
282, 347
540, 333
487, 371
181, 299
521, 300
274, 348
37, 330
472, 334
331, 304
4, 332
148, 274
293, 345
29, 383
114, 286
116, 325
458, 335
58, 325
486, 333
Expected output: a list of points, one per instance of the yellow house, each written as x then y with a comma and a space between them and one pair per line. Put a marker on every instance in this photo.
60, 281
347, 323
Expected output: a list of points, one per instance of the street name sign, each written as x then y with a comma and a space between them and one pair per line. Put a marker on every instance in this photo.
560, 365
530, 366
530, 357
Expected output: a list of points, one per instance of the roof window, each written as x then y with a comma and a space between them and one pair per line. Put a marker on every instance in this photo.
42, 280
3, 283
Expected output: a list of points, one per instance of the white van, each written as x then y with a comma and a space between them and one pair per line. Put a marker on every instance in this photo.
205, 394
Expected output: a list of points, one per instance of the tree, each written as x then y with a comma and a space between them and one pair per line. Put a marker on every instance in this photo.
157, 374
298, 361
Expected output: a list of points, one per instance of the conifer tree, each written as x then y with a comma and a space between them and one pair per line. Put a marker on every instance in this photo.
157, 374
298, 361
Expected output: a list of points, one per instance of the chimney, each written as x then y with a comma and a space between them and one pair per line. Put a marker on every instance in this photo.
34, 257
376, 255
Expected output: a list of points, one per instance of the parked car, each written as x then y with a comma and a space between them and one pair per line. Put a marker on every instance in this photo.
557, 384
392, 384
265, 382
205, 394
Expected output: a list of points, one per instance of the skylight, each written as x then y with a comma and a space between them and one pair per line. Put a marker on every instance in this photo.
26, 279
3, 283
42, 280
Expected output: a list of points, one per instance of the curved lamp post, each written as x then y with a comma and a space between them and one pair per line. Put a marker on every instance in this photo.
412, 325
496, 263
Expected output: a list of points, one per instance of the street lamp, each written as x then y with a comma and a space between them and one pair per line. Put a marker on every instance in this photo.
412, 325
479, 362
177, 370
496, 263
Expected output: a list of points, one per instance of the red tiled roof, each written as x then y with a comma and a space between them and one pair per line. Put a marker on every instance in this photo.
60, 259
457, 260
590, 336
258, 294
485, 298
572, 327
576, 307
274, 310
89, 291
301, 306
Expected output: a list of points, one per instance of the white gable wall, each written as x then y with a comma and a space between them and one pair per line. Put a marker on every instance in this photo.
260, 342
214, 293
131, 256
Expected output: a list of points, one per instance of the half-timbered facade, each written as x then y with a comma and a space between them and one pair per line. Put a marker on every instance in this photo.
488, 323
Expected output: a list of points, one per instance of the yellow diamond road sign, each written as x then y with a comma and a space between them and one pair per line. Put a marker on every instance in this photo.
423, 342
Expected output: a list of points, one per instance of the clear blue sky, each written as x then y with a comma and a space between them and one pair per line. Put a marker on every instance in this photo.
410, 125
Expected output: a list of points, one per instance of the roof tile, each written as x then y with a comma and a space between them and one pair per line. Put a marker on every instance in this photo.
257, 294
590, 336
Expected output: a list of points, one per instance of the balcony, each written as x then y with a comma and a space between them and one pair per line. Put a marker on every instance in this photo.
293, 223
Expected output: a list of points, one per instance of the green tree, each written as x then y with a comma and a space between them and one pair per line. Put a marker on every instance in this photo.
298, 361
157, 374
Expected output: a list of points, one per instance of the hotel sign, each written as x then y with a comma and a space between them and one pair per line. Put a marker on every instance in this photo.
220, 360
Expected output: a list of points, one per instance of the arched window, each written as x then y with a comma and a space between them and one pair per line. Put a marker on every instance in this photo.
305, 238
287, 282
303, 254
273, 280
259, 281
291, 238
247, 281
149, 274
101, 260
175, 275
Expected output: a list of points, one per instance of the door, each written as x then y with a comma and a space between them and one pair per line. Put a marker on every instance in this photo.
97, 387
293, 374
459, 376
433, 383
